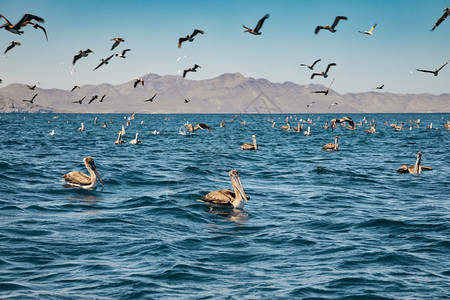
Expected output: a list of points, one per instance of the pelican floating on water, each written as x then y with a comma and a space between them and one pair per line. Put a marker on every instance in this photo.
343, 119
82, 180
81, 128
250, 146
234, 198
119, 139
307, 132
331, 146
136, 140
416, 169
52, 133
372, 129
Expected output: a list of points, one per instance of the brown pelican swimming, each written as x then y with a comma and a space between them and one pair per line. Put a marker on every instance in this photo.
189, 38
332, 27
331, 146
447, 125
373, 129
136, 140
202, 126
81, 128
257, 29
26, 19
92, 99
81, 54
193, 69
122, 132
250, 146
234, 198
151, 99
396, 127
442, 18
117, 42
435, 72
324, 74
416, 169
298, 128
325, 92
75, 87
307, 132
137, 81
12, 45
122, 55
286, 127
243, 123
370, 31
119, 139
104, 62
82, 180
103, 97
326, 125
32, 99
311, 67
79, 101
344, 119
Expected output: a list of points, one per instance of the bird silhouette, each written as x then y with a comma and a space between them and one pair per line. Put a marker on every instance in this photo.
325, 91
189, 38
79, 101
92, 99
257, 29
32, 99
193, 69
12, 45
117, 42
104, 62
435, 72
137, 81
332, 27
81, 54
122, 55
311, 67
26, 19
151, 99
370, 31
324, 74
442, 18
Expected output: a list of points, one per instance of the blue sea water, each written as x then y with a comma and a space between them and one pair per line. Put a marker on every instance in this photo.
318, 225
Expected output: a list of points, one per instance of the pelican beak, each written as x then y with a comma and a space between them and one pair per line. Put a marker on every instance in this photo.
236, 181
96, 171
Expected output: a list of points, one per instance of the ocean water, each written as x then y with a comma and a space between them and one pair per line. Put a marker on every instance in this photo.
318, 225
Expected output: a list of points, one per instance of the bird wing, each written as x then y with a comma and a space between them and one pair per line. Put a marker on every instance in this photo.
75, 58
185, 71
109, 57
36, 25
135, 83
337, 19
8, 22
314, 74
116, 43
32, 99
9, 48
442, 66
319, 92
196, 31
314, 63
260, 22
195, 67
371, 29
329, 66
125, 51
203, 126
427, 71
318, 28
77, 178
153, 97
438, 22
181, 40
28, 17
101, 64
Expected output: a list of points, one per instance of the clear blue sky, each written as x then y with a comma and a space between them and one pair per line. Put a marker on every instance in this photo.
402, 42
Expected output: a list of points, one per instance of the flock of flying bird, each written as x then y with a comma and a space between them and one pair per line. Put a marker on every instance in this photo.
237, 197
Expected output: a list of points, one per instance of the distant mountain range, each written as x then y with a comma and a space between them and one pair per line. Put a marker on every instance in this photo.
228, 93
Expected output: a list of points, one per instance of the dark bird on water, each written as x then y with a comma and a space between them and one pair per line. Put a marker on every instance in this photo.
104, 62
189, 38
137, 81
26, 19
332, 27
12, 45
31, 87
32, 99
81, 54
151, 99
117, 42
122, 55
311, 67
325, 91
79, 101
193, 69
103, 97
442, 18
324, 74
257, 29
435, 72
92, 99
75, 87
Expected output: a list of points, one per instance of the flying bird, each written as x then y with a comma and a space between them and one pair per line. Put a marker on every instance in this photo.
75, 87
151, 99
332, 27
137, 81
335, 103
310, 104
435, 72
26, 19
257, 29
101, 100
31, 87
122, 55
12, 45
92, 99
32, 99
79, 101
189, 38
117, 42
326, 91
187, 101
380, 87
104, 62
324, 74
81, 54
370, 31
202, 126
311, 67
442, 18
193, 69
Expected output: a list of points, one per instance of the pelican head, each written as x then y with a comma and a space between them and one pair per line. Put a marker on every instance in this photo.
254, 142
90, 165
417, 168
238, 189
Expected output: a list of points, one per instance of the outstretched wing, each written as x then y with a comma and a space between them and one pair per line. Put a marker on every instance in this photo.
204, 126
318, 28
438, 22
427, 71
196, 31
442, 66
185, 71
260, 22
2, 16
337, 19
36, 25
181, 40
312, 66
101, 64
9, 48
28, 17
329, 66
371, 29
314, 74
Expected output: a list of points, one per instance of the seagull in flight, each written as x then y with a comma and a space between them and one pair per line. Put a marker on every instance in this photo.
332, 27
117, 42
123, 53
26, 19
370, 31
311, 67
435, 72
81, 54
442, 18
193, 69
79, 101
189, 38
324, 92
104, 62
32, 99
151, 99
324, 74
13, 44
137, 81
257, 29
